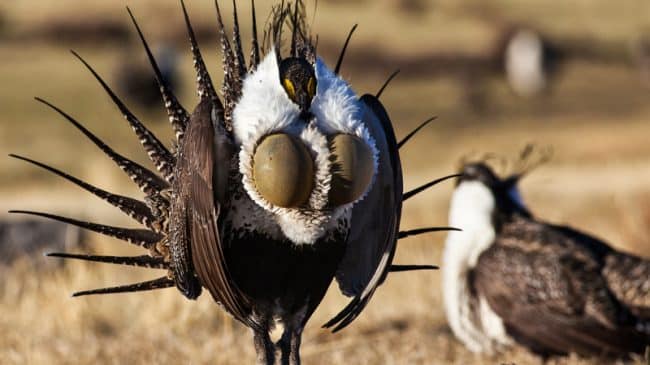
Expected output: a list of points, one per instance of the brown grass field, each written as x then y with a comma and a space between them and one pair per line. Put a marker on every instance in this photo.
597, 121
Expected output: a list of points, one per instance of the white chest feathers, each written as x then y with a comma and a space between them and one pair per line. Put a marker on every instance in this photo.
264, 109
470, 318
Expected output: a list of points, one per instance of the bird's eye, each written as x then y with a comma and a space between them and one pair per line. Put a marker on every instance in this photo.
311, 87
289, 87
283, 170
352, 168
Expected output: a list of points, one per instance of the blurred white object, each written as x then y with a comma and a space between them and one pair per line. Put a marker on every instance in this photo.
526, 64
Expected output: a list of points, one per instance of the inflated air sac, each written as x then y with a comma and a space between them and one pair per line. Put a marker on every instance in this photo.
352, 168
283, 170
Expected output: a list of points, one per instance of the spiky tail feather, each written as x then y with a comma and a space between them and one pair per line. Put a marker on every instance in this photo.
205, 88
419, 231
139, 261
337, 69
255, 45
139, 237
178, 116
160, 283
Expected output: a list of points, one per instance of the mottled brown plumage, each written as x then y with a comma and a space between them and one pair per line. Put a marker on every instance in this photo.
552, 292
628, 277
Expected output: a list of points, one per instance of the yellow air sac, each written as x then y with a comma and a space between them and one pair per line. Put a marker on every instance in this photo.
283, 170
352, 168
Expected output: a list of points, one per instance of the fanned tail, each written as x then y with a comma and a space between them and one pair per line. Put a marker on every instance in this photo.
154, 211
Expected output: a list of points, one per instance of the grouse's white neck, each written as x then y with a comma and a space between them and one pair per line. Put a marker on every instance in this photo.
471, 210
263, 109
470, 318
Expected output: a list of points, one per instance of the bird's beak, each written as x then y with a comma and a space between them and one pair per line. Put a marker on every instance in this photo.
463, 175
304, 103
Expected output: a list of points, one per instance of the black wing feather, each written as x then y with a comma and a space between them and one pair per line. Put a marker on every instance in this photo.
370, 253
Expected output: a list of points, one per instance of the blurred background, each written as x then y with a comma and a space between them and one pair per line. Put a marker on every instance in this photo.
570, 76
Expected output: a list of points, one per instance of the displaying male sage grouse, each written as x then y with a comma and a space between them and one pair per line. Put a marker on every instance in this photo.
509, 277
268, 195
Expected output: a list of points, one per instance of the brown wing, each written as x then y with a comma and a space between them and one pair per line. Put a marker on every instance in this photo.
549, 292
375, 221
199, 155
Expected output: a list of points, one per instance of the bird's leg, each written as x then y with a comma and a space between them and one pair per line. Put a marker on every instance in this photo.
285, 346
264, 347
290, 346
296, 337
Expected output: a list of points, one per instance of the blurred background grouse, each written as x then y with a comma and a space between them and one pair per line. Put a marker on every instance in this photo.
510, 277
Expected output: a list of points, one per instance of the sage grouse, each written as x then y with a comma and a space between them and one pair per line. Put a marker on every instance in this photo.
530, 61
288, 181
509, 277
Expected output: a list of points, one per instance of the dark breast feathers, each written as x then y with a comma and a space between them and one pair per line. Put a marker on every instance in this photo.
559, 291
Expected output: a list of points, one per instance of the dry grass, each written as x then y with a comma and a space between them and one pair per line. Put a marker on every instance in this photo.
597, 121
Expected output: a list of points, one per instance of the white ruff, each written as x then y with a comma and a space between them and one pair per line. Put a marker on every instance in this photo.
479, 328
265, 108
338, 110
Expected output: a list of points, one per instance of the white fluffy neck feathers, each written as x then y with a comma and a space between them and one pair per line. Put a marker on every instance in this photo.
265, 108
